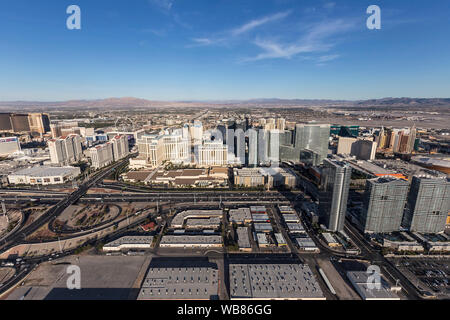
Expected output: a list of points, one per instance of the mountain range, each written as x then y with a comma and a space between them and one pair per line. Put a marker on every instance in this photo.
127, 102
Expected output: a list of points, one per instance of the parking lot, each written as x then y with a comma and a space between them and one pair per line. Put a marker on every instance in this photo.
428, 274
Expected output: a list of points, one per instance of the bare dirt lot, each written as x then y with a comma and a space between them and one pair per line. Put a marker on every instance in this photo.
102, 278
77, 216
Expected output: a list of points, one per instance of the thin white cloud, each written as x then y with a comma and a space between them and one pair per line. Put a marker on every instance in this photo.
203, 41
274, 50
316, 39
226, 37
328, 58
162, 4
259, 22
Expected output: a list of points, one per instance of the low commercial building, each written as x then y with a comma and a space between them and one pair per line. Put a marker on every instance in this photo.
188, 241
282, 177
330, 240
262, 240
136, 176
273, 282
263, 227
240, 216
129, 243
8, 146
372, 169
360, 282
44, 175
243, 239
286, 210
208, 223
280, 240
260, 217
179, 221
206, 177
434, 242
295, 228
258, 210
183, 283
273, 177
306, 244
291, 218
401, 242
249, 177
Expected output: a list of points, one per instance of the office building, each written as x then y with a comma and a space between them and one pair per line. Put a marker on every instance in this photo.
196, 131
252, 158
151, 148
274, 146
33, 122
281, 124
212, 153
314, 137
39, 122
102, 155
397, 140
428, 205
263, 147
345, 131
383, 204
249, 177
156, 149
360, 148
120, 147
20, 123
333, 193
65, 150
177, 149
5, 122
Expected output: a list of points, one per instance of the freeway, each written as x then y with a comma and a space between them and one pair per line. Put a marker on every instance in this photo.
56, 210
158, 196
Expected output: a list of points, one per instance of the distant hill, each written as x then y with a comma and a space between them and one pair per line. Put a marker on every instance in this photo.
406, 102
128, 102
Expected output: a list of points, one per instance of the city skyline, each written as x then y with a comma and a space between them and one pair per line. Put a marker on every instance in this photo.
225, 150
171, 50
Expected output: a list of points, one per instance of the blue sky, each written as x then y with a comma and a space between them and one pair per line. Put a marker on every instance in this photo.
223, 49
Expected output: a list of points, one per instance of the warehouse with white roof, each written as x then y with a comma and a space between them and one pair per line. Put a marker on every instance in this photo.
44, 175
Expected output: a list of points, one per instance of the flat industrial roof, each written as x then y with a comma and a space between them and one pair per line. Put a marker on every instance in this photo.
294, 226
240, 215
183, 239
185, 283
290, 217
273, 281
45, 171
179, 219
262, 226
130, 240
243, 237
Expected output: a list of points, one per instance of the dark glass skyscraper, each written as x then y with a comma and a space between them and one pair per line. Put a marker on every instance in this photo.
428, 205
383, 204
333, 193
